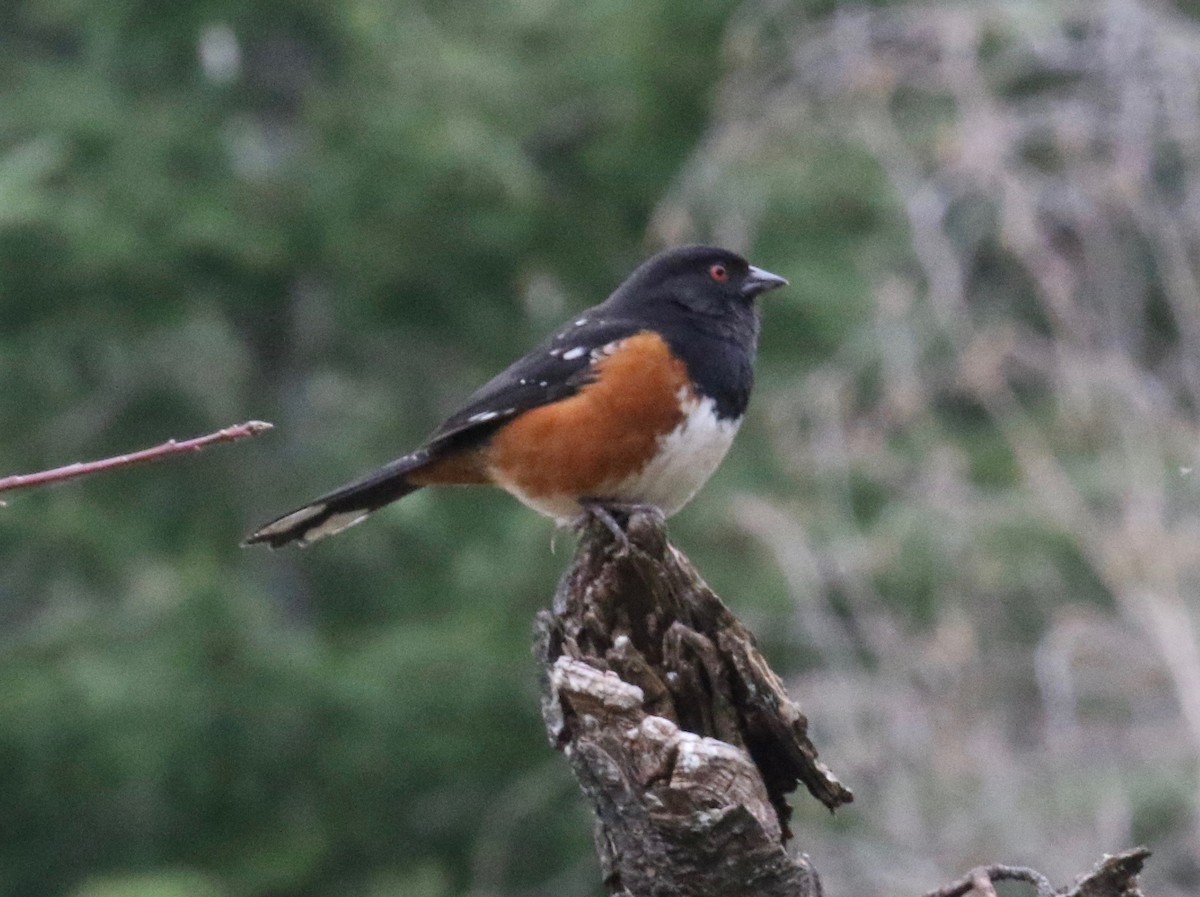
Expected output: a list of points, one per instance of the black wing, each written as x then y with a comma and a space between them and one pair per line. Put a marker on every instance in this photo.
554, 370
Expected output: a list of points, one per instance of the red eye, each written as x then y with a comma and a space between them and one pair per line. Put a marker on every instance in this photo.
719, 273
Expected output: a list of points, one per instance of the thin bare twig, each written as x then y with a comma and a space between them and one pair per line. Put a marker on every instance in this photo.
167, 449
981, 879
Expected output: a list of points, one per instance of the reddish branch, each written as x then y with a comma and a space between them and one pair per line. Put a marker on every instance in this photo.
168, 449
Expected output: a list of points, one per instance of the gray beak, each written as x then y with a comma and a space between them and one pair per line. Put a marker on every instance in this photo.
760, 281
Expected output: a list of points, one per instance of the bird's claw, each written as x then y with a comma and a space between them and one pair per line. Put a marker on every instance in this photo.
615, 517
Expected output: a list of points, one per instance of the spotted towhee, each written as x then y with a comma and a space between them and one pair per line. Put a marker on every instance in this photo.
633, 402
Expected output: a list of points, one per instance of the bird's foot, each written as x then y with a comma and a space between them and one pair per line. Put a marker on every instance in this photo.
615, 517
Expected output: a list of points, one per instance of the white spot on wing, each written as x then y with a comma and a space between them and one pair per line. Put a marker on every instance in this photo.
481, 416
607, 349
577, 352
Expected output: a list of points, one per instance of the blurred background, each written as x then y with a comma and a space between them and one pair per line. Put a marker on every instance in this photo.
962, 515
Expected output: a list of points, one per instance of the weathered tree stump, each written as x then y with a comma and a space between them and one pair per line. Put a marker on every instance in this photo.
676, 728
686, 742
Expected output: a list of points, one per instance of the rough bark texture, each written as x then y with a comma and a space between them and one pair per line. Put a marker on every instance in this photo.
686, 742
678, 731
1114, 876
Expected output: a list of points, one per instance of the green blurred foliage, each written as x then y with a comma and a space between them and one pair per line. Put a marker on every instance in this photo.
342, 218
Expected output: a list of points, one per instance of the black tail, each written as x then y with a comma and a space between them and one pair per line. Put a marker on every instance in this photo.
341, 508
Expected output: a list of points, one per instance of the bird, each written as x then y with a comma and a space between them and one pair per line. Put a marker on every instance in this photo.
633, 402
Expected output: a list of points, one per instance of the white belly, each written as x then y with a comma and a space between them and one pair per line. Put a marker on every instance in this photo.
686, 458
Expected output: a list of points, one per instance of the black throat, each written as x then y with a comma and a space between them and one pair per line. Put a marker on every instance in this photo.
719, 354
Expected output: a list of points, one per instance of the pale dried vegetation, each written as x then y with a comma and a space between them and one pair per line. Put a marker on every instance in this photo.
996, 559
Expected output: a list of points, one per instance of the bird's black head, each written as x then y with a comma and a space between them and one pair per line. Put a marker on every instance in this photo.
704, 280
700, 299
